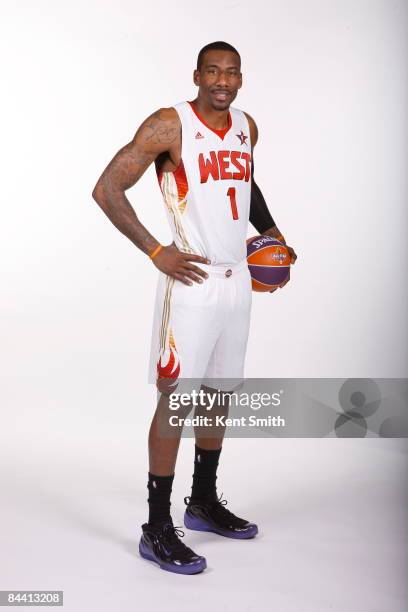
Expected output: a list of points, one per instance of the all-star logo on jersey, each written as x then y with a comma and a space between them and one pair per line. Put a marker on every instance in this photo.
198, 135
242, 138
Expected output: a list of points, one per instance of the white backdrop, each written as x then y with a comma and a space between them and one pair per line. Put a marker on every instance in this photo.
326, 83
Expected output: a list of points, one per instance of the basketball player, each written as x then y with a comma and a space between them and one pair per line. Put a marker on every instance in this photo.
203, 155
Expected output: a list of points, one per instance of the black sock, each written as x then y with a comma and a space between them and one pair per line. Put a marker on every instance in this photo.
205, 474
159, 498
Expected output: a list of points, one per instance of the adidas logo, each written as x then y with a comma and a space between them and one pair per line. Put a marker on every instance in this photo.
198, 135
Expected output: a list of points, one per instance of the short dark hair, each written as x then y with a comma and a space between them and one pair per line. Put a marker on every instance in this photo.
219, 45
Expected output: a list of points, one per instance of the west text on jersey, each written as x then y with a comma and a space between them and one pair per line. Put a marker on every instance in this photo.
225, 165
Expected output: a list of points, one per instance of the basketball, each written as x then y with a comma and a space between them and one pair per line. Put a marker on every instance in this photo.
268, 262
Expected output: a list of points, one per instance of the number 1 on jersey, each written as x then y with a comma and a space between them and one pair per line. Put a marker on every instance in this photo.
231, 195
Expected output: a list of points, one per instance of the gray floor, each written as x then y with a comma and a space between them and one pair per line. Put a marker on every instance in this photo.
332, 517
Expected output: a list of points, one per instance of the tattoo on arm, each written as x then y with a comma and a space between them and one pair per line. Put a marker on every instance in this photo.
155, 136
160, 131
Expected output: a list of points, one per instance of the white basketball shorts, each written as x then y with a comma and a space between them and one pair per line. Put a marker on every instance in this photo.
200, 331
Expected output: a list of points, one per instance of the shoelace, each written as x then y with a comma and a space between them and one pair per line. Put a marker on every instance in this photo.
219, 500
222, 513
171, 535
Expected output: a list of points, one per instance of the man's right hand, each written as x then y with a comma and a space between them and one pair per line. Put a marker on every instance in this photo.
175, 263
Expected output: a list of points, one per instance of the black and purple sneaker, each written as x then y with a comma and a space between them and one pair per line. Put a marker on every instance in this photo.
162, 545
213, 516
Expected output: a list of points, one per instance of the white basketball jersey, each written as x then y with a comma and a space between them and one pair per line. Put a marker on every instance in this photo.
208, 196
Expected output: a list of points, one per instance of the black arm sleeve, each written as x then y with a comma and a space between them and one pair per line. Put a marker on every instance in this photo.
259, 214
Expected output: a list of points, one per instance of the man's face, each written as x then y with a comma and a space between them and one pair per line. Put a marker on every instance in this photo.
219, 78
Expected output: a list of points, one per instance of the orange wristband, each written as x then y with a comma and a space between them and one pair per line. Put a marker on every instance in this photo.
156, 250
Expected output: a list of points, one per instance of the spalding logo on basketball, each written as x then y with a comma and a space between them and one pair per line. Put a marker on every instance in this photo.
268, 262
